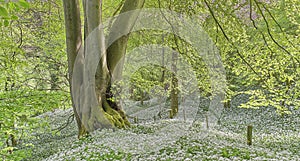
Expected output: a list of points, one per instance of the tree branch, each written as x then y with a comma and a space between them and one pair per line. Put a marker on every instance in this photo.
227, 38
270, 34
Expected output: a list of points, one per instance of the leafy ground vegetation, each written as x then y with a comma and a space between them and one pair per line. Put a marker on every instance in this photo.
274, 138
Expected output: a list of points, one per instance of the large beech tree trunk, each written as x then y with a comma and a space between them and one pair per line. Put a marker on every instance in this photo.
109, 60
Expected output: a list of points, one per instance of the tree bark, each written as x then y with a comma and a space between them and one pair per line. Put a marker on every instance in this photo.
174, 87
117, 43
249, 134
105, 113
73, 42
117, 48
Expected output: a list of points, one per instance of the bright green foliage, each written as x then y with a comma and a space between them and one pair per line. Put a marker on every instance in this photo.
33, 70
7, 9
258, 42
259, 48
18, 114
260, 54
149, 79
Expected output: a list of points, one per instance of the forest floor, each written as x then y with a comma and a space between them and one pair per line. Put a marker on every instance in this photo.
275, 137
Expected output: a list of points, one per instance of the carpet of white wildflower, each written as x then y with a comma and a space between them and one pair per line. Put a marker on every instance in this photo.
186, 137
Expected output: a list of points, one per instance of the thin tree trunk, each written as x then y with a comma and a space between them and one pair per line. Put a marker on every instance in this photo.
174, 87
116, 50
74, 42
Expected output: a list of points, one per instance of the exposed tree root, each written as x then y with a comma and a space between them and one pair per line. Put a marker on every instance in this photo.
116, 116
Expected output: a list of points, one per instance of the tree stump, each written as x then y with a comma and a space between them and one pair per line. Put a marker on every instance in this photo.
249, 135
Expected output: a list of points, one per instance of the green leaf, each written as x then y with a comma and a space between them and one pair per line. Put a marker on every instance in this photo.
14, 6
23, 3
3, 12
14, 17
6, 23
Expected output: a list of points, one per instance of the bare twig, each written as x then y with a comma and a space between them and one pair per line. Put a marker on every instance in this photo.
69, 121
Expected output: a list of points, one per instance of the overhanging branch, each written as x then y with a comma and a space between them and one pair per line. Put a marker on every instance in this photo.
270, 34
227, 38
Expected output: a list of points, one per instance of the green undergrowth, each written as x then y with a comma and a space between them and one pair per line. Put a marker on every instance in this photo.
227, 141
19, 111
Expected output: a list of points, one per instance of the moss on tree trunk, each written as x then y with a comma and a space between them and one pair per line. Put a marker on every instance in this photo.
106, 112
